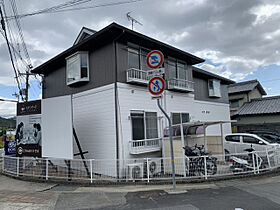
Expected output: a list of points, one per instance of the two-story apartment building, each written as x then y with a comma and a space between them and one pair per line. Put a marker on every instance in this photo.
113, 114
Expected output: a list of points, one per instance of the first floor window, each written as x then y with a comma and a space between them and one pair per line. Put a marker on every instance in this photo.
144, 125
178, 118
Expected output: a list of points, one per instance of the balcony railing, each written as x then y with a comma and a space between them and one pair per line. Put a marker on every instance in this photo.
137, 76
145, 146
180, 84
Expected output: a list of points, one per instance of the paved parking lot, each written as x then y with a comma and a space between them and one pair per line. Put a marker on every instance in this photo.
249, 193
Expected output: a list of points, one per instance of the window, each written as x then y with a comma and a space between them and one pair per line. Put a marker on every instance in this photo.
133, 58
250, 140
77, 68
144, 125
176, 69
234, 104
137, 58
177, 117
233, 138
214, 88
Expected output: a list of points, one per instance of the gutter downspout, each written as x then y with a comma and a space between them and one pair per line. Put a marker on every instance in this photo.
116, 103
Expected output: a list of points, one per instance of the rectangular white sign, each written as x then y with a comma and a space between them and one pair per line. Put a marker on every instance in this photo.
57, 127
156, 72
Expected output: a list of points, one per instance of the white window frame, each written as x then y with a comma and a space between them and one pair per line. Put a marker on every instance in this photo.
145, 126
85, 79
136, 49
215, 91
180, 116
177, 61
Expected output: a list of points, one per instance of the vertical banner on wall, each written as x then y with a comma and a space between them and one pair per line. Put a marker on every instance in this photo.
28, 131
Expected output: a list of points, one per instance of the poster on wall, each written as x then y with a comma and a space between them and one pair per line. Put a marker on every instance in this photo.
10, 145
28, 130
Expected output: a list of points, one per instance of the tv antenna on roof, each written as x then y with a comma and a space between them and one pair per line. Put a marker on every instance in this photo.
133, 20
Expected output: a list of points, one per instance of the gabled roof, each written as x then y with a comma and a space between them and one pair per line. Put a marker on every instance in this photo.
267, 105
246, 86
197, 72
109, 34
83, 34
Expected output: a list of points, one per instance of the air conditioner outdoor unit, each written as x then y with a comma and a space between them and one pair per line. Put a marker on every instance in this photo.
154, 167
135, 171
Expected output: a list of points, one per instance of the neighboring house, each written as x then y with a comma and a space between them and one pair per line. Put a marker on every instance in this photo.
261, 114
113, 114
242, 92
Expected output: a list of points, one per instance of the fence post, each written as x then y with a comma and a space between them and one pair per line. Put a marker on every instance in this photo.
257, 160
3, 162
148, 170
268, 160
205, 167
47, 169
90, 162
17, 166
253, 157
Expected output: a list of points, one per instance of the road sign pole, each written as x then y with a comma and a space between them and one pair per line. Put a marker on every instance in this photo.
171, 144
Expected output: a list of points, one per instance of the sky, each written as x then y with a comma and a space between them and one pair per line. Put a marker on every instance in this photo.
239, 39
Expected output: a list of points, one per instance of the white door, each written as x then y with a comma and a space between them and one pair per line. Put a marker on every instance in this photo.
232, 143
250, 141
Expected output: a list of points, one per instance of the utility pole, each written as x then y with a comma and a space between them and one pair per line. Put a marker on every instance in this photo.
26, 74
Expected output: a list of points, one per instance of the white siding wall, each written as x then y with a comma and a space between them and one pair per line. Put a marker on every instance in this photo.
209, 111
94, 122
133, 97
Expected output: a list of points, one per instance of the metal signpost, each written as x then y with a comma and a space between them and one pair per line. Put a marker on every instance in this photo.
156, 87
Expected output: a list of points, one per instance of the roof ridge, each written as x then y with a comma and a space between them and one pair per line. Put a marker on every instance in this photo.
244, 82
266, 98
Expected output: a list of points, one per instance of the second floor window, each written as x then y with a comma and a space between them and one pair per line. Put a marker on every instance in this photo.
176, 69
144, 125
137, 58
77, 68
234, 104
214, 88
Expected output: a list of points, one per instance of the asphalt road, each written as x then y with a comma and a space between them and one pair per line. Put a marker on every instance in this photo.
251, 193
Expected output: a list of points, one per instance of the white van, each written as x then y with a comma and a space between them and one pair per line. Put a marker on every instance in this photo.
238, 142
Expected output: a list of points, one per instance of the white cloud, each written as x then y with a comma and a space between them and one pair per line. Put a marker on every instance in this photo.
264, 12
237, 36
7, 108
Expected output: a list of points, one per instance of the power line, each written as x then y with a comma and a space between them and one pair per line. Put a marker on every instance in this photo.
9, 49
8, 100
57, 10
14, 8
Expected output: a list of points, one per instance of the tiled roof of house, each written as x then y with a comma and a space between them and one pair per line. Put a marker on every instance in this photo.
267, 105
245, 87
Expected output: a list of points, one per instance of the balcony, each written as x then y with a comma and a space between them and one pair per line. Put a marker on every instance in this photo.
144, 146
137, 76
180, 84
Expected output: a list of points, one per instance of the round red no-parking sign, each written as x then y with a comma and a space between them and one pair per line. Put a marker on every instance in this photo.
154, 59
156, 85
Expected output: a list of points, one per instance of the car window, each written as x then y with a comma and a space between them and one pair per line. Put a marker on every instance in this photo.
250, 140
270, 138
233, 138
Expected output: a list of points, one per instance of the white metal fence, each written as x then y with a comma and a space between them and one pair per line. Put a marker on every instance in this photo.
142, 169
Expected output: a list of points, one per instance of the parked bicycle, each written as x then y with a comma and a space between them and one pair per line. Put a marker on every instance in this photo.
195, 161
